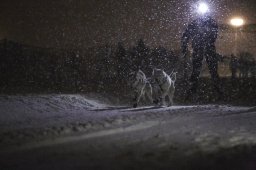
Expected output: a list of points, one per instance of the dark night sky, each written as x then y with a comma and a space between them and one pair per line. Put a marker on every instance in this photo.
82, 23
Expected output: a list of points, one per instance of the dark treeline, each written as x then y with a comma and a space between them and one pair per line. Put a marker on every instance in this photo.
28, 69
245, 64
34, 69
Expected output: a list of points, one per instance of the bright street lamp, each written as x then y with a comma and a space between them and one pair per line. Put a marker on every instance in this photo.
236, 22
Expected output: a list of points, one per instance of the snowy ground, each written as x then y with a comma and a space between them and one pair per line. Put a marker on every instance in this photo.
79, 132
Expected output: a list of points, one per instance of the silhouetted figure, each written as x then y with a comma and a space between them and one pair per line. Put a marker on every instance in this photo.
233, 65
203, 32
253, 68
243, 67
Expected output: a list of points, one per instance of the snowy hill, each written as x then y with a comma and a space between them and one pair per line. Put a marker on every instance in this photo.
29, 107
53, 127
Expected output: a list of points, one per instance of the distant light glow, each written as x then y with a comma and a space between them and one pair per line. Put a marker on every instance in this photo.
202, 8
237, 22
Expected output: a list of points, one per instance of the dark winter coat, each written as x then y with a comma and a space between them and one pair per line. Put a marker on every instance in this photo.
203, 32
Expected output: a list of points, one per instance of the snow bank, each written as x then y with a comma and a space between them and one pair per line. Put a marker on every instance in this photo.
80, 125
30, 108
29, 116
37, 117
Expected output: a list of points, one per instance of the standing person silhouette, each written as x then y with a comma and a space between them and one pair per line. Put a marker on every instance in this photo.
203, 33
233, 65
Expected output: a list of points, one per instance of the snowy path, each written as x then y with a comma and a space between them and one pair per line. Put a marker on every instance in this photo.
74, 132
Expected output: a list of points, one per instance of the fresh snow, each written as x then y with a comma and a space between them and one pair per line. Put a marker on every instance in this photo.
75, 124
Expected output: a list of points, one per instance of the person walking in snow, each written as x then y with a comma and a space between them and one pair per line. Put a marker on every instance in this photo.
203, 32
233, 65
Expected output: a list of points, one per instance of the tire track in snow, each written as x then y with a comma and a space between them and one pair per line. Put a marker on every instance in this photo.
103, 133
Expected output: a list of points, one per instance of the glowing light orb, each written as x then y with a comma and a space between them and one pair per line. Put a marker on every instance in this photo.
237, 22
202, 8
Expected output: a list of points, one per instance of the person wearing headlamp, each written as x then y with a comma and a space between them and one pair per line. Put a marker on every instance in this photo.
203, 33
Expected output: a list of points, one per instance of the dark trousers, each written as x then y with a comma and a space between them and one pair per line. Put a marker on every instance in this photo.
233, 71
209, 52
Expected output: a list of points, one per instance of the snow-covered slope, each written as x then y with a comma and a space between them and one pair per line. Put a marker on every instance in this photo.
28, 116
19, 109
41, 127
